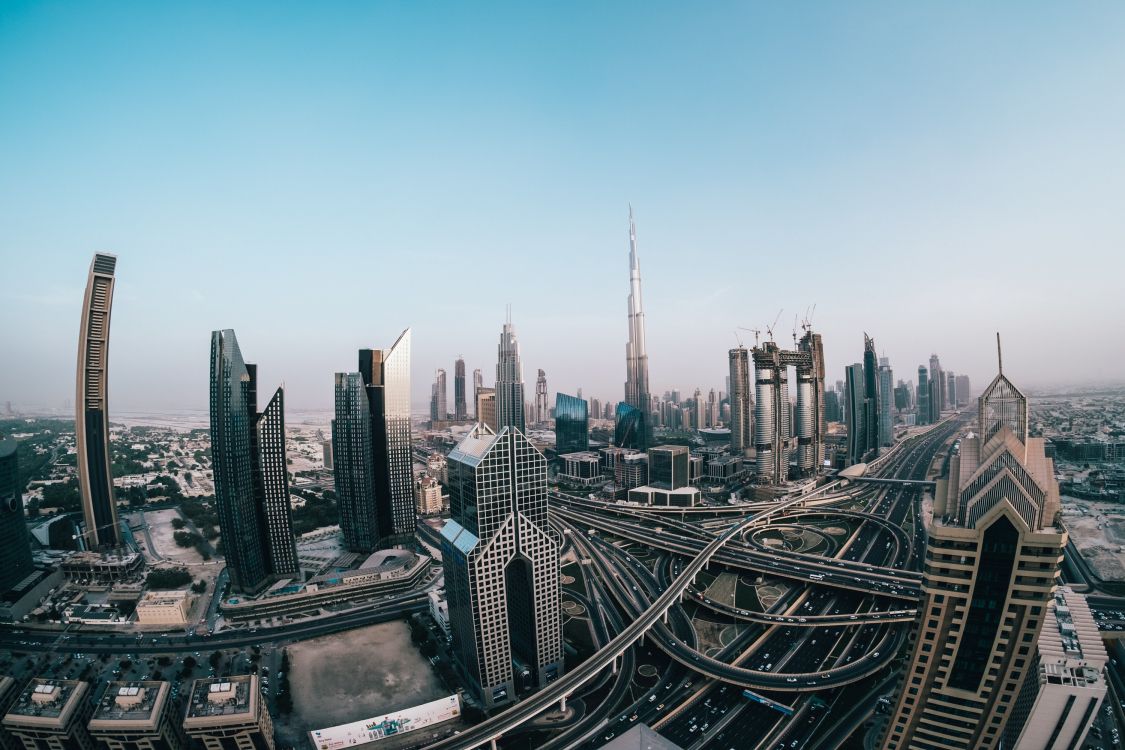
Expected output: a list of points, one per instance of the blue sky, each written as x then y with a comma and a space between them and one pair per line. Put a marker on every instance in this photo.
319, 176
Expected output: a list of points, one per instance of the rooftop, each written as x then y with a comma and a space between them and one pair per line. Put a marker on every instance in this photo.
222, 697
130, 702
48, 701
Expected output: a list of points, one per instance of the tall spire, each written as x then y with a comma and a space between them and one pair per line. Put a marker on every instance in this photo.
999, 356
636, 356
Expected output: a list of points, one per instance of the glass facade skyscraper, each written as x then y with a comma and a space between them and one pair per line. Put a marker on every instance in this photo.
628, 423
91, 420
886, 403
509, 381
856, 415
15, 545
251, 481
460, 410
501, 565
371, 449
572, 424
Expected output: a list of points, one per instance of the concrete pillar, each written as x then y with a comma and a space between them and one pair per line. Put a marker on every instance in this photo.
614, 665
492, 744
562, 704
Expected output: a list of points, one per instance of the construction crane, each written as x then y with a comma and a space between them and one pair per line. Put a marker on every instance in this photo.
769, 329
754, 331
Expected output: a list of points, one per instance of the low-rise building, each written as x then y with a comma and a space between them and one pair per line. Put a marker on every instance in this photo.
582, 468
228, 712
427, 496
93, 614
137, 716
681, 497
51, 715
439, 610
164, 608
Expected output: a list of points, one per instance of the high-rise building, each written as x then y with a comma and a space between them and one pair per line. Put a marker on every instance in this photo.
636, 357
249, 464
833, 412
857, 421
627, 423
741, 424
668, 466
937, 376
50, 714
501, 565
870, 396
15, 544
963, 393
886, 403
509, 381
224, 713
91, 403
951, 389
486, 407
1061, 695
923, 397
542, 408
137, 715
438, 402
594, 410
371, 442
460, 409
478, 383
902, 397
994, 548
774, 413
572, 424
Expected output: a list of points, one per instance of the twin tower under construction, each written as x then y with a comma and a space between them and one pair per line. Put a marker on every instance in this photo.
774, 417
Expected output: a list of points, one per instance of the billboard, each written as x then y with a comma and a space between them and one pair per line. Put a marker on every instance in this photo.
378, 727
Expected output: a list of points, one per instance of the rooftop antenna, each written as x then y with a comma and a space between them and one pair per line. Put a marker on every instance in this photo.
999, 356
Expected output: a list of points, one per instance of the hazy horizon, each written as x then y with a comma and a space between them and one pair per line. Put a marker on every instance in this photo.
320, 178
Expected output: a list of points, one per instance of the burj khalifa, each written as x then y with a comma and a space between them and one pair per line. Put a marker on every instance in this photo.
633, 416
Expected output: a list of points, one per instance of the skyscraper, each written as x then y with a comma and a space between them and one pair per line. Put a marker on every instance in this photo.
460, 409
870, 396
542, 408
251, 481
15, 545
923, 397
371, 446
741, 430
572, 424
478, 383
962, 389
501, 565
937, 381
951, 389
636, 356
992, 564
91, 403
856, 414
509, 381
439, 405
486, 407
886, 403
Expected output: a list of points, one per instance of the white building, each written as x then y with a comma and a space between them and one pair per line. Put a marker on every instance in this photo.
1060, 700
439, 610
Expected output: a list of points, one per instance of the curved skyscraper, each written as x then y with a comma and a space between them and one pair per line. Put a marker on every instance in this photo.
636, 356
91, 418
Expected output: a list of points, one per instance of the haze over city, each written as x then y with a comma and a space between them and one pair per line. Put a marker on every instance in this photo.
321, 178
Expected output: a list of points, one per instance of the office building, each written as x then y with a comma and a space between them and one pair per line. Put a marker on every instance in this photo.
628, 423
478, 384
629, 472
438, 403
1061, 696
637, 434
951, 389
501, 566
91, 404
371, 443
923, 396
991, 571
326, 452
963, 392
886, 403
857, 422
228, 713
542, 408
164, 608
460, 408
15, 542
582, 468
937, 387
137, 716
902, 400
486, 407
668, 466
249, 464
51, 714
833, 411
572, 424
427, 491
509, 381
870, 397
741, 402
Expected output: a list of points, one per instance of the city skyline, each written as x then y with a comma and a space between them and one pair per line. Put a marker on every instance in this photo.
768, 169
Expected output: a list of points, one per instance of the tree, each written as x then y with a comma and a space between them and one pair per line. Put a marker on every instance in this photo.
168, 578
186, 538
178, 523
199, 586
216, 657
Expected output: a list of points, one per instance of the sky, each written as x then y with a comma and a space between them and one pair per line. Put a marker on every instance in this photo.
320, 176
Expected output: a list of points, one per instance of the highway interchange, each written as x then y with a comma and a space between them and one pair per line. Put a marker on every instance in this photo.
811, 663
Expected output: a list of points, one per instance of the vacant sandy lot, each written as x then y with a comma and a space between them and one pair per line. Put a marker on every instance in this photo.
358, 674
1099, 533
160, 528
